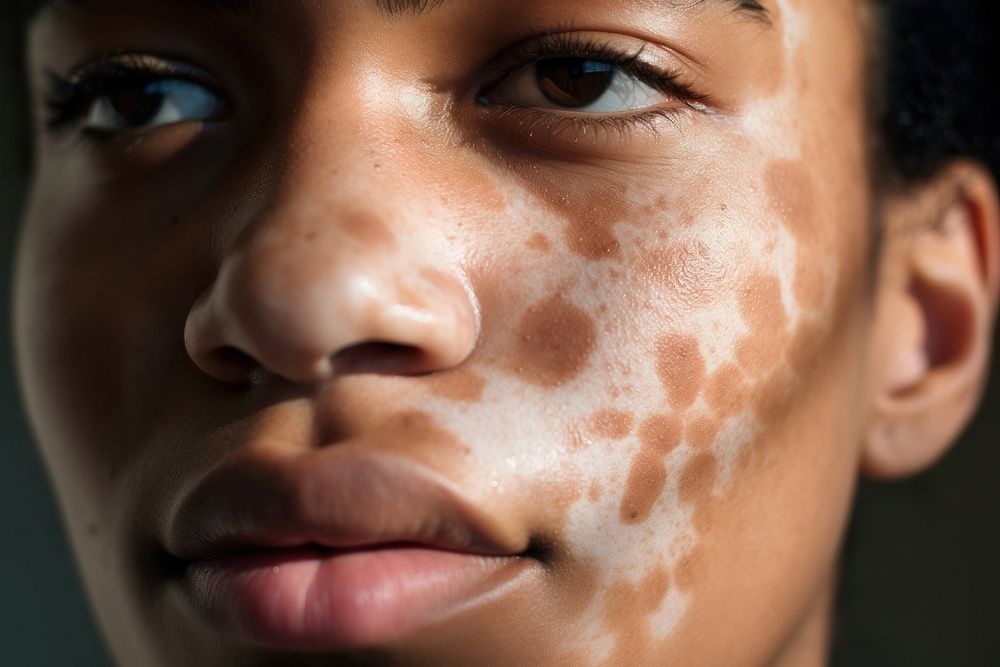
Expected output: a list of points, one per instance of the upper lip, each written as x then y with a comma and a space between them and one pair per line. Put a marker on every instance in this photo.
339, 498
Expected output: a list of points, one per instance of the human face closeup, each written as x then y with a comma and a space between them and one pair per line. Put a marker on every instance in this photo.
503, 333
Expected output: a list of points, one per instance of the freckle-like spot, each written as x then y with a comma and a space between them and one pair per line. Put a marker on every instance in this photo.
539, 242
681, 368
696, 486
697, 477
370, 231
727, 391
611, 424
595, 492
765, 316
458, 385
790, 193
554, 343
658, 435
701, 432
591, 218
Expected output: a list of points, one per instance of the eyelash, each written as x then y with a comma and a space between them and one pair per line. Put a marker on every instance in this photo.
68, 98
573, 45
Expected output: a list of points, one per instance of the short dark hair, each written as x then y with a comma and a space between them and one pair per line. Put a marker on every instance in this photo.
936, 85
934, 89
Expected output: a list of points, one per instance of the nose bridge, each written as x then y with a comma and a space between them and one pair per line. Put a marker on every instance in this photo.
341, 267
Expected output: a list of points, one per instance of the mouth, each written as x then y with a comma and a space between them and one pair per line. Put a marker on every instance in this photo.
347, 550
311, 598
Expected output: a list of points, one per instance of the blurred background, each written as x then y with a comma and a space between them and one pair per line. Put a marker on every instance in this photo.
921, 580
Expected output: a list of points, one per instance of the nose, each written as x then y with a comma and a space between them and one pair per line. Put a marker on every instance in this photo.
306, 297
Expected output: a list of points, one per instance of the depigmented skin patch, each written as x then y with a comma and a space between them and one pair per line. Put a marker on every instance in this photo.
681, 368
647, 233
554, 343
611, 424
689, 272
626, 610
659, 435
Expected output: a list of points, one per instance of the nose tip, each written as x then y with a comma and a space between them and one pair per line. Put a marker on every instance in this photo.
307, 315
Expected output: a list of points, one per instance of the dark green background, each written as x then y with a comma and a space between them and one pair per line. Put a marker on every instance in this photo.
921, 584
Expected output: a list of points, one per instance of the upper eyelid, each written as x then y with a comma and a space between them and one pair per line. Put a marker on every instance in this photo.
580, 44
64, 98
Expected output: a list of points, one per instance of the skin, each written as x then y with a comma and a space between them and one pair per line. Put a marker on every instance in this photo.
658, 357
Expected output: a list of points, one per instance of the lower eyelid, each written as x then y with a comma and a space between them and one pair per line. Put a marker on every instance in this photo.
575, 134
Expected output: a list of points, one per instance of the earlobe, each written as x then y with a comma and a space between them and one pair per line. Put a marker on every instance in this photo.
935, 310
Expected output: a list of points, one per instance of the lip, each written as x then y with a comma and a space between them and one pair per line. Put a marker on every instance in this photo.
339, 549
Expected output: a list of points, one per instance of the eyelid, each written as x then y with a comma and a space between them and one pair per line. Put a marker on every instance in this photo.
662, 77
68, 97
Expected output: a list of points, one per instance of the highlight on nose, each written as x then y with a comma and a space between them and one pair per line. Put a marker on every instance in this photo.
306, 313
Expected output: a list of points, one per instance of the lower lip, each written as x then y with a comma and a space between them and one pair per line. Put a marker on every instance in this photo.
308, 599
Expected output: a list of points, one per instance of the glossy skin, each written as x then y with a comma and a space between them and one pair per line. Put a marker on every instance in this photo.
642, 350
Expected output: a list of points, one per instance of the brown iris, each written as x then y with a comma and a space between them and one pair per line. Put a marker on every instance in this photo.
574, 82
138, 106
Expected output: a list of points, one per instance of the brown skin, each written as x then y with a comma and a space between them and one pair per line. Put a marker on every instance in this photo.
664, 354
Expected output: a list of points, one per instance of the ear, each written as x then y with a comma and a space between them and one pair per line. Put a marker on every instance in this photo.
934, 312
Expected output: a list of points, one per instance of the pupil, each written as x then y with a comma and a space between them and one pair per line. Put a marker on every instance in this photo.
139, 106
574, 82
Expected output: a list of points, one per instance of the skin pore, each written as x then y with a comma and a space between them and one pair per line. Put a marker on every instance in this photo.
640, 352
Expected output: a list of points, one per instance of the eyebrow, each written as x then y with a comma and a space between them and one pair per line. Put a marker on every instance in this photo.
413, 7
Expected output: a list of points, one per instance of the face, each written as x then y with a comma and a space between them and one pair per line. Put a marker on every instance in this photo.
494, 332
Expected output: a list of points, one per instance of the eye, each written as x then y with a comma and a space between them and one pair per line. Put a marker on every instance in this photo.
145, 105
576, 84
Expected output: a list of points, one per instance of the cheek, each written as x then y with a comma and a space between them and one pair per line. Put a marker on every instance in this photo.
660, 348
100, 316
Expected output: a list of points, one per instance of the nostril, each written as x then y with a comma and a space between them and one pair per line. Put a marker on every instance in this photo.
233, 363
382, 358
